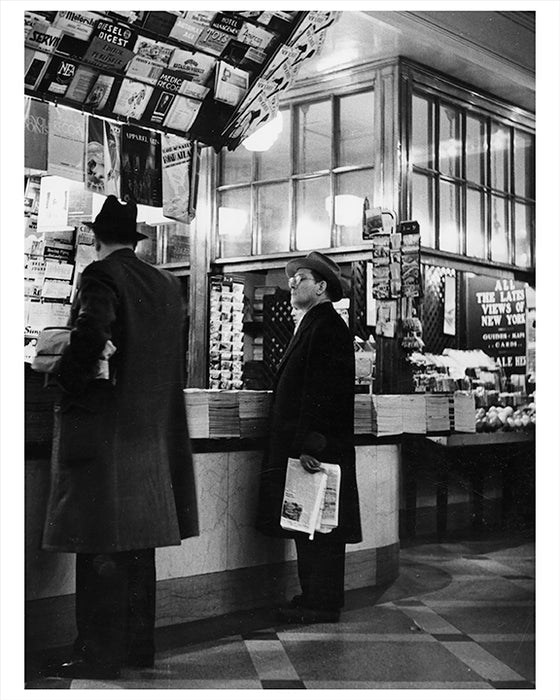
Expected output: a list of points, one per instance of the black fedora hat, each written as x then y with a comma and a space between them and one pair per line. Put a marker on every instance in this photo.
116, 221
323, 266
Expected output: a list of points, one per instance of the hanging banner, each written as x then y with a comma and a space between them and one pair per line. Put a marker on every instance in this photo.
496, 320
36, 134
66, 138
95, 156
141, 165
177, 160
112, 159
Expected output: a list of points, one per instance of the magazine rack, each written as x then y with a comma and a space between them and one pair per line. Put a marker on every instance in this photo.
121, 66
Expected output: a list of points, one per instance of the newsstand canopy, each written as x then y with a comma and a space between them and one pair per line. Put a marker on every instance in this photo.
210, 76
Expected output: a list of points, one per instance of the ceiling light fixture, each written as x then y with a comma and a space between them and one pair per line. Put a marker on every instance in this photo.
265, 136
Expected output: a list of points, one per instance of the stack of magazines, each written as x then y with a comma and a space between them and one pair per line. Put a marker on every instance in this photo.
310, 502
463, 418
223, 414
196, 403
253, 412
387, 414
437, 413
414, 413
363, 414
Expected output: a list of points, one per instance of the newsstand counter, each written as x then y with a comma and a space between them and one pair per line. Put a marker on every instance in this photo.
229, 566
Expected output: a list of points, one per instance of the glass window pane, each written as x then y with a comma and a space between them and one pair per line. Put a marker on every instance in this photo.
475, 224
313, 228
499, 232
356, 129
499, 157
176, 242
275, 163
449, 217
352, 189
273, 218
234, 222
314, 138
422, 136
524, 217
524, 164
476, 150
236, 166
423, 208
449, 141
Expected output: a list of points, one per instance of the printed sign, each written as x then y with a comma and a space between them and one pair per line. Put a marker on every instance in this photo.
496, 320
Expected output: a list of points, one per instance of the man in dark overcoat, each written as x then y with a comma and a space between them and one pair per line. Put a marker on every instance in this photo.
122, 478
312, 419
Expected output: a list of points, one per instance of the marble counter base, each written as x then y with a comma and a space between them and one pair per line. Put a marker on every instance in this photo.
229, 566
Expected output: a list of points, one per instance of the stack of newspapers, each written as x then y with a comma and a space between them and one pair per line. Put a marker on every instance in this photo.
310, 502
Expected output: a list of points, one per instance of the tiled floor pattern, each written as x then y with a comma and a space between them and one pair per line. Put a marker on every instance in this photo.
460, 616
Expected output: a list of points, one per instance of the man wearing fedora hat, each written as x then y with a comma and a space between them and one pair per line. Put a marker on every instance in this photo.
312, 418
122, 481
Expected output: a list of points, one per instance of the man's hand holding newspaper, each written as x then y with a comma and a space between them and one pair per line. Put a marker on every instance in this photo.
311, 498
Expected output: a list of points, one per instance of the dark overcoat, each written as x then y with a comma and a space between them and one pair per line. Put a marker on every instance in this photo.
122, 475
313, 412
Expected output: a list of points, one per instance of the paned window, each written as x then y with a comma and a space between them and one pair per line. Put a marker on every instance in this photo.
307, 191
471, 182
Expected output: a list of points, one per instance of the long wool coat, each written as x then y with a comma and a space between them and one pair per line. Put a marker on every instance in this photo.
313, 412
122, 475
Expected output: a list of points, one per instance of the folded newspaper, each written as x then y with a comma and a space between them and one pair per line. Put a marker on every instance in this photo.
310, 502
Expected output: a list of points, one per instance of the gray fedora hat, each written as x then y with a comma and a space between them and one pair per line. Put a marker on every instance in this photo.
323, 266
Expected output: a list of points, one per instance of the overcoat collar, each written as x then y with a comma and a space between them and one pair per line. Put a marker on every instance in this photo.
308, 318
122, 252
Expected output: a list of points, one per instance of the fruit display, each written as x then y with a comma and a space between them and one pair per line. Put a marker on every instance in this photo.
505, 418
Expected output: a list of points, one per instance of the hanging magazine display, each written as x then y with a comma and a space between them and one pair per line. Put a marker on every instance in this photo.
141, 165
208, 76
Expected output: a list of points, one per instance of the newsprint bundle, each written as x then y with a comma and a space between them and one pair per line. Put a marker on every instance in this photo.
310, 501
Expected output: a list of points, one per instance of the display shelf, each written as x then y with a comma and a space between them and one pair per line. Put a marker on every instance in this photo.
476, 439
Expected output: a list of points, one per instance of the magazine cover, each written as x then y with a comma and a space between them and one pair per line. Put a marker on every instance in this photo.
141, 165
95, 157
112, 158
111, 46
36, 134
176, 159
66, 143
132, 99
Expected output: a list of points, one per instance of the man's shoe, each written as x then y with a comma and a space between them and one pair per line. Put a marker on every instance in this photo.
307, 616
139, 661
81, 668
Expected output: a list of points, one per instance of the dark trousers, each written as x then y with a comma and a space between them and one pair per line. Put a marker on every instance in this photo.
115, 606
321, 572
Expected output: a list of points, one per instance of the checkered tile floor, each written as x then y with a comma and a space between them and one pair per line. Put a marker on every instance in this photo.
460, 616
